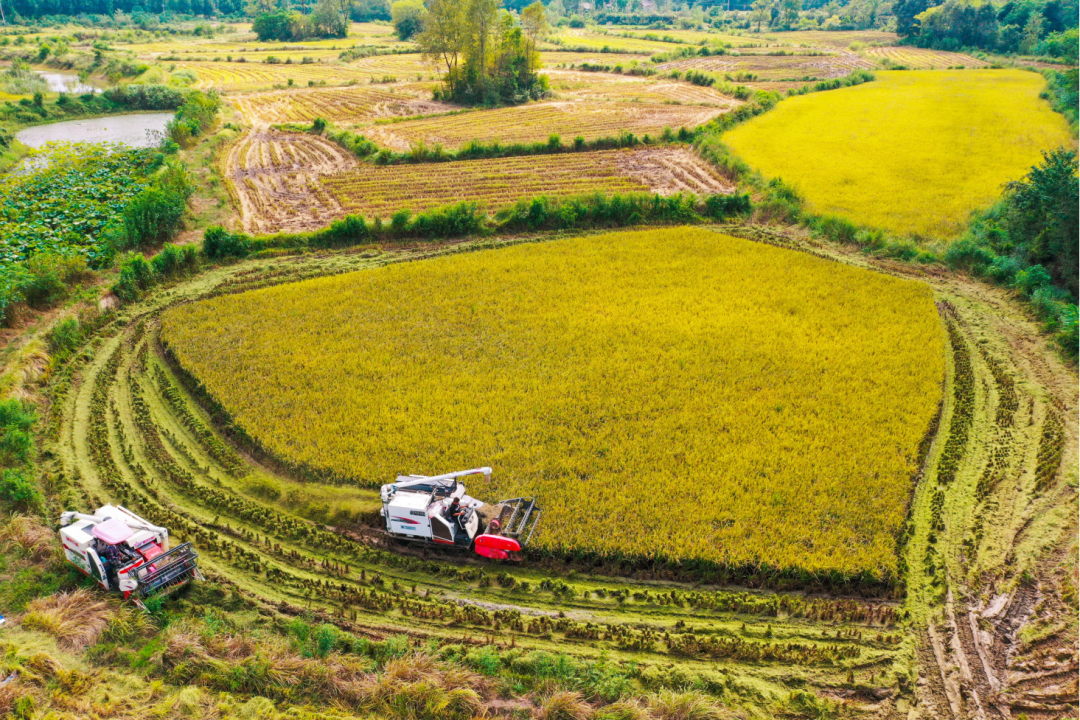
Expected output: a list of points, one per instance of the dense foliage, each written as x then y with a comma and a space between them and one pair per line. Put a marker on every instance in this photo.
485, 56
1036, 27
326, 20
688, 372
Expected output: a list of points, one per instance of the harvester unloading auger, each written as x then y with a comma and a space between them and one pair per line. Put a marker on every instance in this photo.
127, 554
436, 511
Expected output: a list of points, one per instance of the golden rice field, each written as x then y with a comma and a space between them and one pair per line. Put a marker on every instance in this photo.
696, 409
244, 41
535, 122
341, 105
912, 152
923, 58
495, 183
829, 38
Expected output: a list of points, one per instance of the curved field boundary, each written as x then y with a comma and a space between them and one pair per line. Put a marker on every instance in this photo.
128, 430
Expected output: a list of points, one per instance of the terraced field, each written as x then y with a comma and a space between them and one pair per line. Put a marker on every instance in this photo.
245, 77
536, 122
610, 86
379, 191
342, 106
922, 58
774, 68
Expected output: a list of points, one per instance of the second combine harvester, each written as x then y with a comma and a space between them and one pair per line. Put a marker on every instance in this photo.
436, 511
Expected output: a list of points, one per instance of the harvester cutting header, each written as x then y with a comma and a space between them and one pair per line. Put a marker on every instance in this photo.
436, 511
126, 553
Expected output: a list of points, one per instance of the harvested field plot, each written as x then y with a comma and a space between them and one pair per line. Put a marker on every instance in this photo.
828, 38
913, 152
605, 86
275, 180
588, 39
778, 422
379, 191
776, 67
536, 122
923, 59
343, 106
245, 77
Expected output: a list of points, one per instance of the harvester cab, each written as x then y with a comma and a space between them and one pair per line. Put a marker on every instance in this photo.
127, 554
437, 511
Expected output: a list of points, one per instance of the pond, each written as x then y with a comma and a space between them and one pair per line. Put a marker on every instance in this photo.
129, 130
66, 83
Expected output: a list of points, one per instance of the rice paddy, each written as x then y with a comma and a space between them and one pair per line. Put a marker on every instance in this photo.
537, 122
496, 183
913, 152
602, 388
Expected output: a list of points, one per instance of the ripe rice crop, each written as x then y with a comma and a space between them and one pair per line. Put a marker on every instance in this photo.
830, 38
343, 106
495, 183
923, 58
536, 122
913, 152
579, 38
658, 391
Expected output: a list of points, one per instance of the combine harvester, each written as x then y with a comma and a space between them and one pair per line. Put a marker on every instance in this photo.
125, 553
436, 511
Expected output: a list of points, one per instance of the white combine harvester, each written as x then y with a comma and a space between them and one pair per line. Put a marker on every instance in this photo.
436, 511
127, 554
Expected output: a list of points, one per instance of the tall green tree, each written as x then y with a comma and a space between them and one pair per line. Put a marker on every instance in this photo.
408, 17
442, 41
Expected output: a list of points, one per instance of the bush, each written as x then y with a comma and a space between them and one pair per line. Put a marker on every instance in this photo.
153, 215
19, 490
724, 206
174, 260
16, 441
349, 230
136, 277
47, 277
65, 336
219, 243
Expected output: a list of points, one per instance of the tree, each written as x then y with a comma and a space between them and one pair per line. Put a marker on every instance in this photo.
327, 20
408, 17
760, 12
789, 12
480, 19
443, 38
1044, 215
534, 23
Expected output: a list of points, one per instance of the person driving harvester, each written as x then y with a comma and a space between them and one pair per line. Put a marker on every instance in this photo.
454, 511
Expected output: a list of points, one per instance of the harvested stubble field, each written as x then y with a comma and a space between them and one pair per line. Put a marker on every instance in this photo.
536, 122
245, 77
913, 152
610, 86
379, 191
274, 179
342, 106
923, 58
244, 41
829, 38
776, 67
589, 39
683, 412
